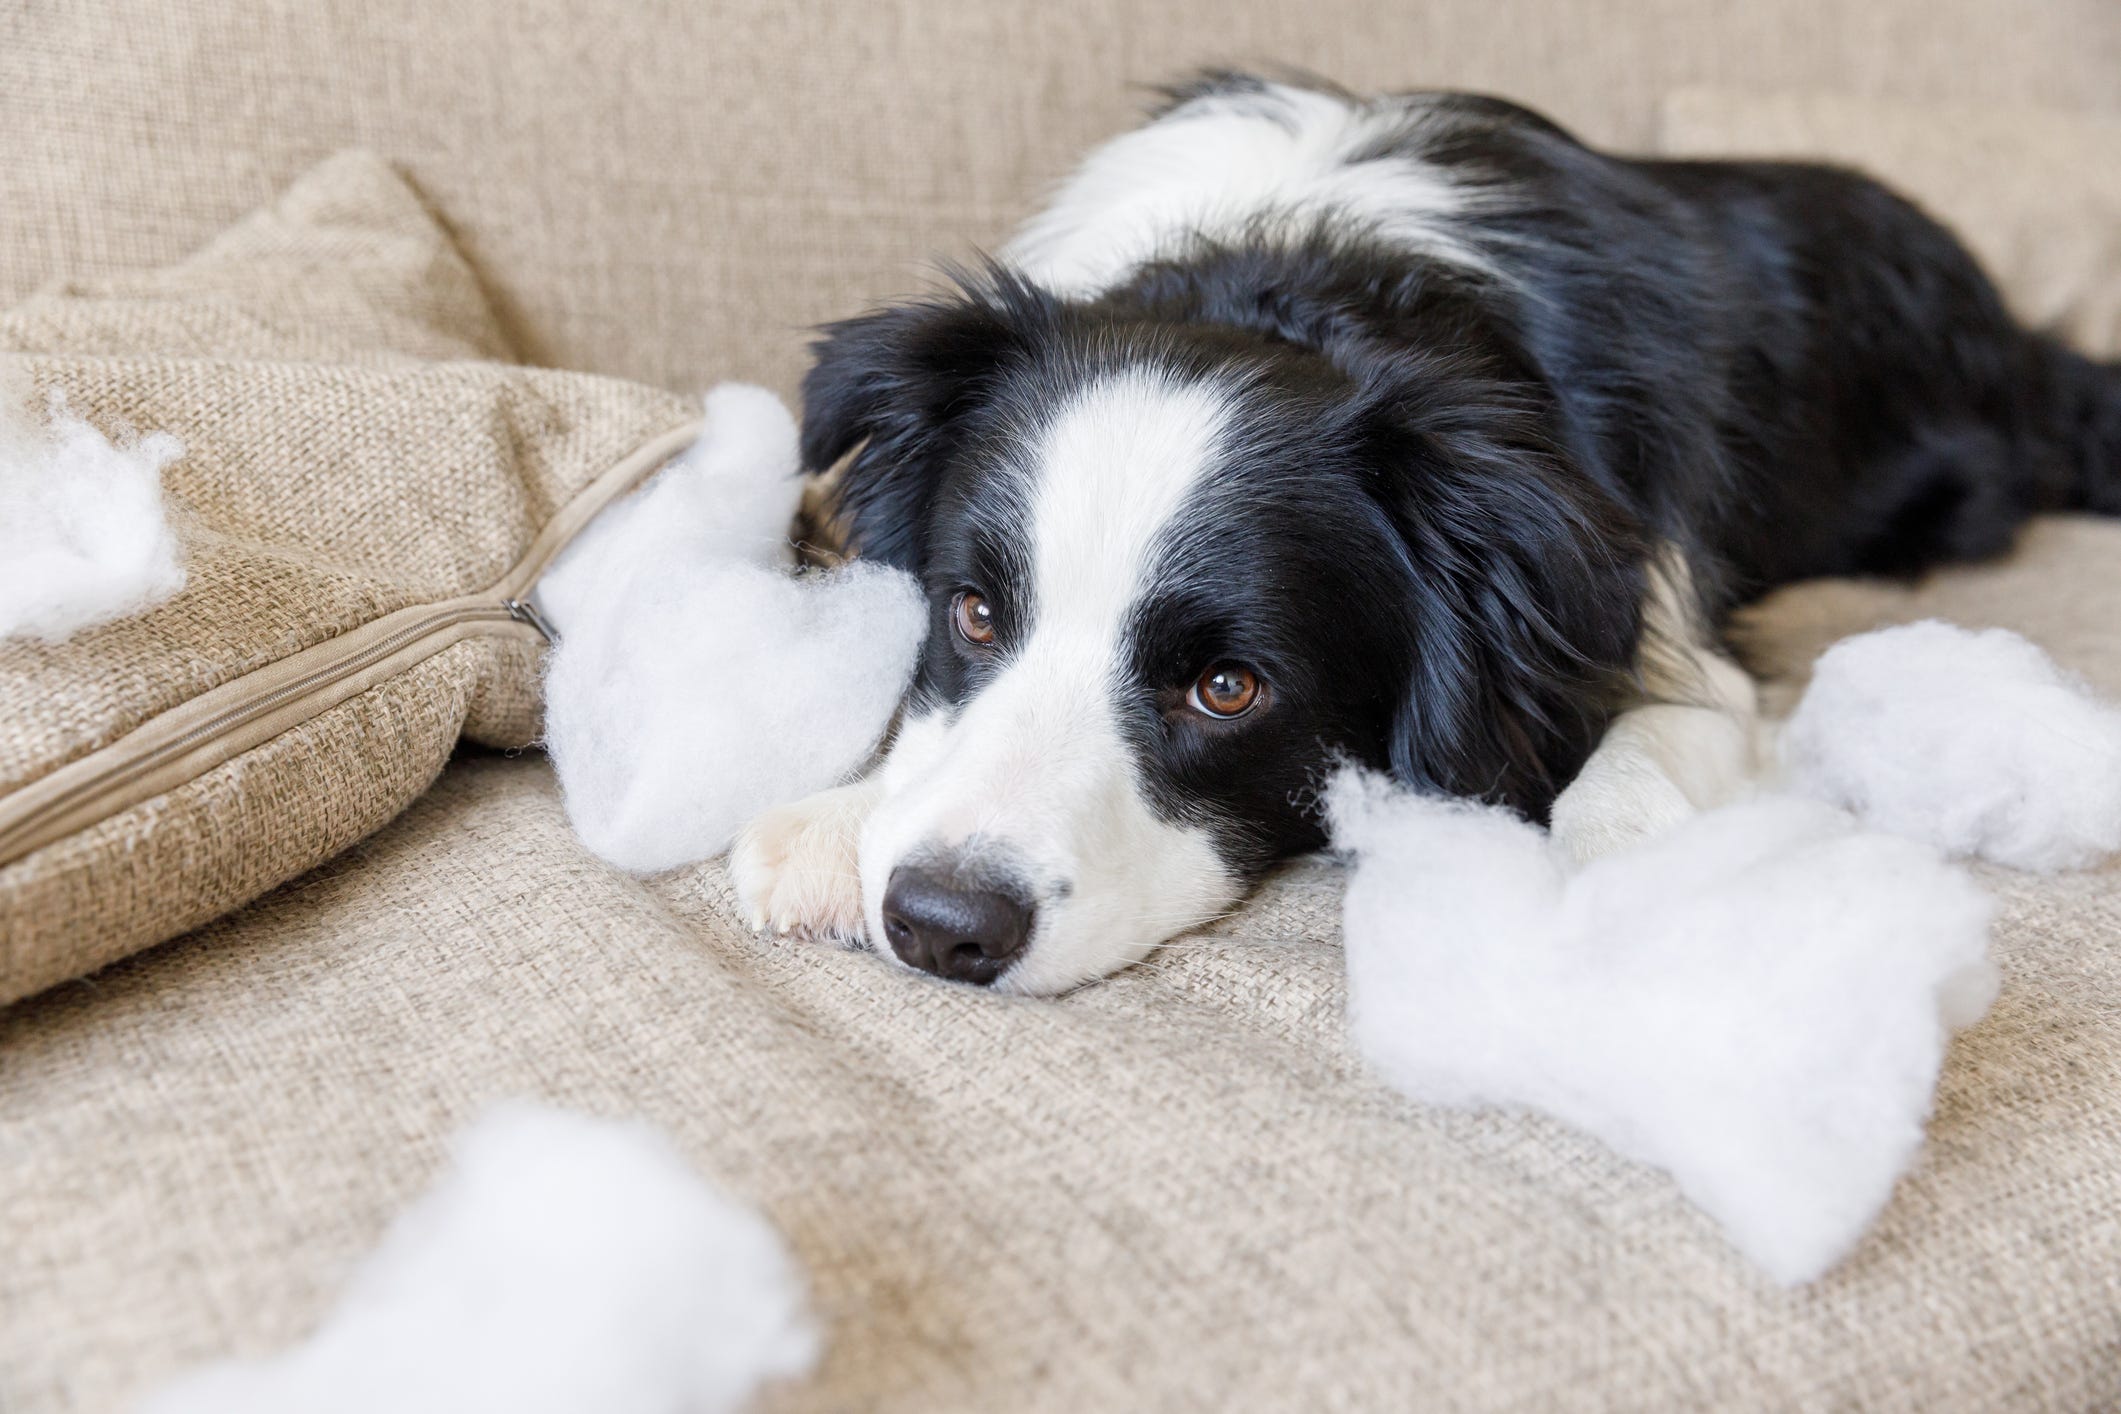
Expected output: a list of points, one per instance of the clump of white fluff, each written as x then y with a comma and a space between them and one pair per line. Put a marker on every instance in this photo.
698, 680
83, 537
1975, 742
1757, 1003
564, 1265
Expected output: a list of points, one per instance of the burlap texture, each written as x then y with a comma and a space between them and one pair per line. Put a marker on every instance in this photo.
2036, 193
1174, 1190
673, 190
332, 474
346, 266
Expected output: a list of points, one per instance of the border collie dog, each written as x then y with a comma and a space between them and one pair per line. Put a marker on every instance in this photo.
1304, 428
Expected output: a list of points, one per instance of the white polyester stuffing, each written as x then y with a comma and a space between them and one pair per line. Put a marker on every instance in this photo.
1975, 742
83, 537
698, 680
1757, 1003
563, 1265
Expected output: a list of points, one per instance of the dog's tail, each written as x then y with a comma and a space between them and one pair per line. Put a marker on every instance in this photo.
2086, 417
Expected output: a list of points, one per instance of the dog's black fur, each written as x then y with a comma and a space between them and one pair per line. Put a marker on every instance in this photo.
1436, 546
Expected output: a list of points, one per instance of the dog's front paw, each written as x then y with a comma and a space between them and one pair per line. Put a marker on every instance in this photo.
1657, 767
1619, 802
795, 867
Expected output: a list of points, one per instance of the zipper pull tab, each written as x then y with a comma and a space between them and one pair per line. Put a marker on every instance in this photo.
525, 612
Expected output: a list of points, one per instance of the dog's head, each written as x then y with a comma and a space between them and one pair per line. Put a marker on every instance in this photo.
1180, 559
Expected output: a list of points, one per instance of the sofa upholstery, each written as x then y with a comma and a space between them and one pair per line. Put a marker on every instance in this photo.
1174, 1190
672, 190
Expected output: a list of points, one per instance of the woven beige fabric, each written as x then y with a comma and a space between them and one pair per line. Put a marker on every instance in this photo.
346, 266
673, 189
2036, 193
331, 476
1173, 1190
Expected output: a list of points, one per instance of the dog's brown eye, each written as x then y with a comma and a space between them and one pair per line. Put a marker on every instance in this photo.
974, 617
1225, 690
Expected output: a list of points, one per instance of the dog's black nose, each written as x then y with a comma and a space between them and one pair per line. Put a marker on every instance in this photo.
964, 934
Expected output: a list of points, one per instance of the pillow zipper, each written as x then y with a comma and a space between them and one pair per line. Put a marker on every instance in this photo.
188, 740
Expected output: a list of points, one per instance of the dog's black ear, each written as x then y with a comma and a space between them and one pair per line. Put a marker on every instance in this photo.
1526, 585
897, 384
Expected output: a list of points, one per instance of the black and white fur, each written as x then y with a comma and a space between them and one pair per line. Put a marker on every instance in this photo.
1462, 436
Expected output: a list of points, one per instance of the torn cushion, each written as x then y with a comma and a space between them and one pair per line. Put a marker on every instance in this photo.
362, 485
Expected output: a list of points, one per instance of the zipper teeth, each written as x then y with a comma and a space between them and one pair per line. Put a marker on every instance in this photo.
574, 517
376, 651
236, 716
511, 602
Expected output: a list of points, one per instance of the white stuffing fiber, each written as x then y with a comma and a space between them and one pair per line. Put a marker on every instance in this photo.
1758, 1002
83, 535
1974, 741
563, 1265
698, 680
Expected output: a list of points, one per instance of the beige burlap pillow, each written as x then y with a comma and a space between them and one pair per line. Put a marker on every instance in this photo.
367, 486
2035, 193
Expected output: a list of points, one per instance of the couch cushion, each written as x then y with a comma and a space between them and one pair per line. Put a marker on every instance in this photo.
346, 266
353, 514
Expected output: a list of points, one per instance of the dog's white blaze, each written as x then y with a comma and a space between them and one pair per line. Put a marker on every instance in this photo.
1035, 772
1221, 165
1115, 467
